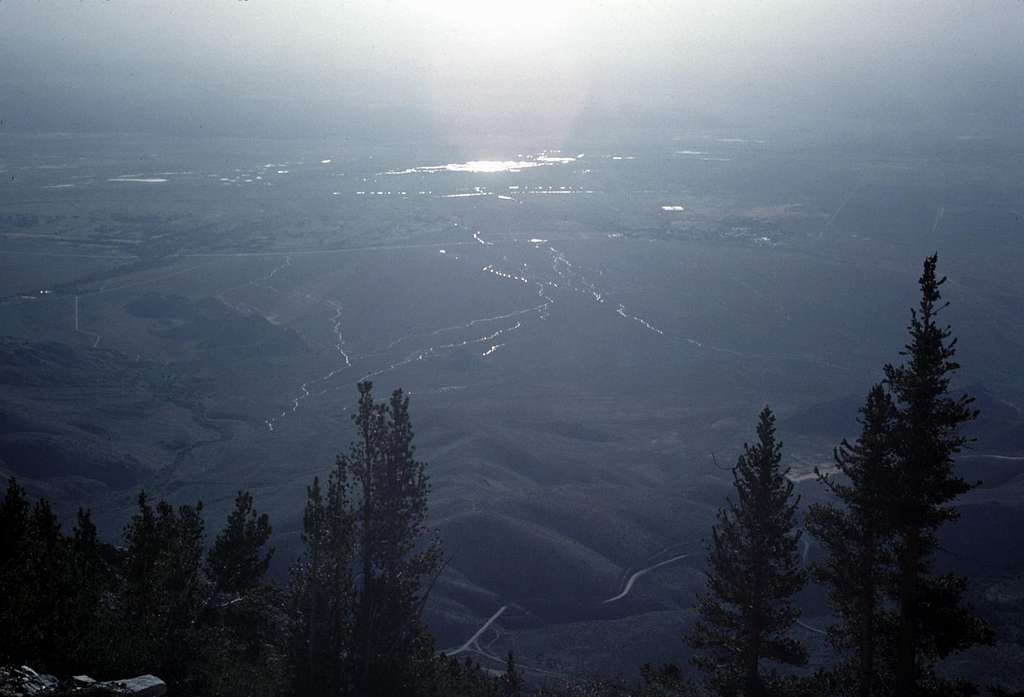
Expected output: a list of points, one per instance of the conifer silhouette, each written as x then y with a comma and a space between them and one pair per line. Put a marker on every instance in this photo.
754, 571
932, 620
237, 560
858, 546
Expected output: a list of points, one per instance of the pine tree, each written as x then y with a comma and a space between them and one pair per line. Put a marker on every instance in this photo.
339, 559
53, 588
33, 556
364, 461
395, 550
306, 610
357, 592
43, 575
932, 620
237, 561
142, 555
14, 521
858, 546
241, 628
511, 680
164, 592
15, 594
321, 590
754, 572
182, 592
88, 586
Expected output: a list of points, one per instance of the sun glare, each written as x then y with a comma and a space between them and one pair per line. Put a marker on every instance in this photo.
520, 22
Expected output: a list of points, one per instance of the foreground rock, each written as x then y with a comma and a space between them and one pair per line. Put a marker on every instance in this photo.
25, 682
15, 682
142, 686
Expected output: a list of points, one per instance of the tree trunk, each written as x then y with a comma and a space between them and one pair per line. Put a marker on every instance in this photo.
365, 638
906, 668
752, 679
867, 610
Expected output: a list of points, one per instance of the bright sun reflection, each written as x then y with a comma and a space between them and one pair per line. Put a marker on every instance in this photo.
489, 166
474, 166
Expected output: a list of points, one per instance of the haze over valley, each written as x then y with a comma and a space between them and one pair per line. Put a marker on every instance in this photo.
588, 310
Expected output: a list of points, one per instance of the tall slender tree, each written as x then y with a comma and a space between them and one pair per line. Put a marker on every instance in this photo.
305, 603
86, 635
858, 546
54, 589
32, 572
241, 631
397, 552
140, 597
322, 588
932, 621
238, 559
754, 571
14, 521
358, 590
15, 560
164, 592
511, 680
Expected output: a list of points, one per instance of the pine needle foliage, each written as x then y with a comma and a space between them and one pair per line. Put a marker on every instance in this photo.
238, 559
754, 572
858, 545
933, 621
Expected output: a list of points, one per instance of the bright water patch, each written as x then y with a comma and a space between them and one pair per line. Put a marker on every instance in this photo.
490, 166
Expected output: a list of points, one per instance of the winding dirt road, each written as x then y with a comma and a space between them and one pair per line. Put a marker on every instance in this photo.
632, 579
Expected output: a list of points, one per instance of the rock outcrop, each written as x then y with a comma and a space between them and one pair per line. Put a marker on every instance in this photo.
142, 686
16, 682
25, 682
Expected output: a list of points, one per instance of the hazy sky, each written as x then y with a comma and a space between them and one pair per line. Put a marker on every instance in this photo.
290, 67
